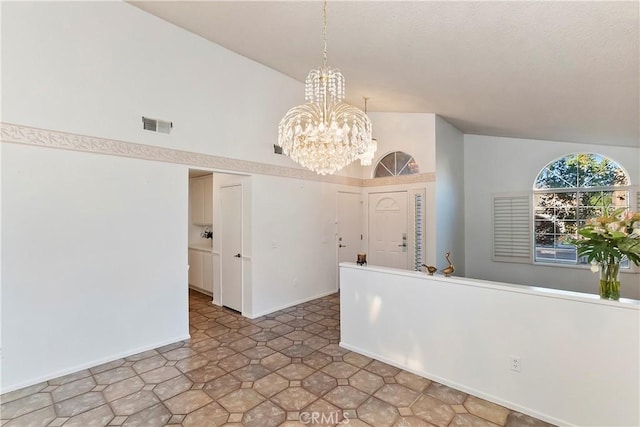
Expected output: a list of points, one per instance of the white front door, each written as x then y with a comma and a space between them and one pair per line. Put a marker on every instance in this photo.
388, 239
231, 247
349, 217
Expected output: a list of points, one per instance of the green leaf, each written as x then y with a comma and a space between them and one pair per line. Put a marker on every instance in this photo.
618, 235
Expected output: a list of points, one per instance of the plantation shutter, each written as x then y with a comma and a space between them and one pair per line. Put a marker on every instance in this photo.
512, 228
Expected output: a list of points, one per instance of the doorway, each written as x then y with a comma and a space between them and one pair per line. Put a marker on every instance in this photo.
388, 239
231, 247
349, 219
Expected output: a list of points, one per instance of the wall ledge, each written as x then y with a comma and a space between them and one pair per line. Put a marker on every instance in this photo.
623, 303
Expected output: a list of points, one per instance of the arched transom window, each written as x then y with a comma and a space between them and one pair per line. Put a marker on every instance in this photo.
568, 191
395, 164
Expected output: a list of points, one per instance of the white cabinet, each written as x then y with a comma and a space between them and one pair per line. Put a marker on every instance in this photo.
201, 199
208, 199
196, 198
207, 272
195, 268
201, 270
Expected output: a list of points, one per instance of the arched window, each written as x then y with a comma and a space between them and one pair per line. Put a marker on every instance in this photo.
395, 164
567, 192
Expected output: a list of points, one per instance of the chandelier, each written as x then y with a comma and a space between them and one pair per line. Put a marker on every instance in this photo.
325, 134
370, 152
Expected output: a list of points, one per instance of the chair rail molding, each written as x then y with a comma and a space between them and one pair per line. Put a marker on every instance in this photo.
19, 134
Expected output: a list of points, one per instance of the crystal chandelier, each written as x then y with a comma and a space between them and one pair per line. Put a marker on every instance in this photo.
370, 152
325, 134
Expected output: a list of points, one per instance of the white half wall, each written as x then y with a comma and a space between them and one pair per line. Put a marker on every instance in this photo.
95, 260
502, 165
579, 355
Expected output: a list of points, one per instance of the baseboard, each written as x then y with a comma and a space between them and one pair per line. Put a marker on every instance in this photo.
92, 364
282, 307
469, 390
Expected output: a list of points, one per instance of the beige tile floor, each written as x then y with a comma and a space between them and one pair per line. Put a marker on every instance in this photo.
282, 369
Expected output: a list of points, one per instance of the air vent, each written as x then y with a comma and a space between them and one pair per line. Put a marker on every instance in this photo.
277, 149
155, 125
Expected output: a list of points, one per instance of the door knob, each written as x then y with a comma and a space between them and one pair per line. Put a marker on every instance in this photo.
404, 241
342, 246
238, 256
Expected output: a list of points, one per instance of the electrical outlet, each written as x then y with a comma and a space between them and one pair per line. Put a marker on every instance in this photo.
515, 364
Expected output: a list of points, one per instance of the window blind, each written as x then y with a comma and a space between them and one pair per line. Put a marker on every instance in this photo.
512, 228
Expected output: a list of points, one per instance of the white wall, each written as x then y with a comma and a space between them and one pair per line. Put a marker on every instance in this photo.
413, 133
579, 355
294, 241
95, 261
449, 201
498, 165
95, 68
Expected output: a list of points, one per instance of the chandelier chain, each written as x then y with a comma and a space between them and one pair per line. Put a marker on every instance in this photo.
324, 32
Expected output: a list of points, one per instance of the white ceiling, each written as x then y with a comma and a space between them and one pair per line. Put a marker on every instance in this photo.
566, 71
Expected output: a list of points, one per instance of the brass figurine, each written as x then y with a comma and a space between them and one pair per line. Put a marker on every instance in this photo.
430, 268
450, 269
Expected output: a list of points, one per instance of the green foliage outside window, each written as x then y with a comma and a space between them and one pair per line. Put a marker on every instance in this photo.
568, 191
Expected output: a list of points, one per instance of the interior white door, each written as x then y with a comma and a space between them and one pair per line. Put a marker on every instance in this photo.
231, 247
388, 244
349, 218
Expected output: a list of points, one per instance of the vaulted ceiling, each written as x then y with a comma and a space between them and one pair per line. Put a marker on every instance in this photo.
565, 71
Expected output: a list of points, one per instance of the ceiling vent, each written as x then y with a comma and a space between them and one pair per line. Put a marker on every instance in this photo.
277, 149
155, 125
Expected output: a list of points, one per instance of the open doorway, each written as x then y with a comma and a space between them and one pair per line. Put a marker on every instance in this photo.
200, 229
219, 239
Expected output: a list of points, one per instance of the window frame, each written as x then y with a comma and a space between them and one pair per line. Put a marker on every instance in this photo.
633, 198
397, 172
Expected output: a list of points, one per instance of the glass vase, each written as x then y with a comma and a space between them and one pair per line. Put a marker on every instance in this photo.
610, 280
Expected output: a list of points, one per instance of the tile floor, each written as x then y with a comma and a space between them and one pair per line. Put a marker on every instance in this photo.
282, 369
